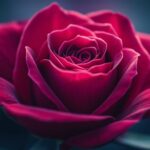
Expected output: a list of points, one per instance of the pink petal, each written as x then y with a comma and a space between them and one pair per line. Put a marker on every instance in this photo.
67, 64
54, 124
7, 92
145, 39
127, 70
103, 68
79, 41
100, 136
113, 49
120, 23
35, 34
92, 63
114, 46
56, 38
37, 78
139, 108
79, 90
46, 53
127, 33
105, 27
9, 39
82, 41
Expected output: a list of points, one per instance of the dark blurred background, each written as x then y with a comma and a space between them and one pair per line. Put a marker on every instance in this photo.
137, 10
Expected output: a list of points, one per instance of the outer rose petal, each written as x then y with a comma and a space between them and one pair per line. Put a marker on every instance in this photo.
145, 39
128, 71
100, 136
9, 39
140, 107
7, 94
120, 23
105, 27
127, 33
46, 122
37, 78
49, 123
50, 18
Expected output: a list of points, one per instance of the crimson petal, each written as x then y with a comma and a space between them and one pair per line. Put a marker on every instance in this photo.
71, 86
44, 122
10, 34
128, 69
125, 29
56, 38
105, 27
145, 39
54, 124
50, 18
100, 136
7, 94
37, 78
139, 108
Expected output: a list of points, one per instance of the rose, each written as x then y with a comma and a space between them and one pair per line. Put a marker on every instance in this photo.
80, 78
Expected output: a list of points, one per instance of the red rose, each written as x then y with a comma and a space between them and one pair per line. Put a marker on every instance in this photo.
80, 78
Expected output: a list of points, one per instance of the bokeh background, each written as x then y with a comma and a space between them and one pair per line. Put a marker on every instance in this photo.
137, 10
14, 137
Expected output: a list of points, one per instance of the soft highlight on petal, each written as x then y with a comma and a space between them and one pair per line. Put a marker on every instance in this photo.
145, 39
54, 124
37, 78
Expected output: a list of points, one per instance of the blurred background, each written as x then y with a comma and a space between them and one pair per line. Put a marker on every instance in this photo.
15, 137
137, 10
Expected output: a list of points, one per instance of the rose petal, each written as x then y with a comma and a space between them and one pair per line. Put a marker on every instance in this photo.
114, 45
100, 136
44, 122
91, 51
78, 87
120, 23
9, 39
105, 27
46, 53
127, 70
67, 64
56, 38
8, 93
139, 108
82, 41
50, 18
73, 89
114, 49
79, 41
73, 59
37, 78
54, 124
102, 47
103, 68
127, 33
92, 63
145, 39
59, 61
